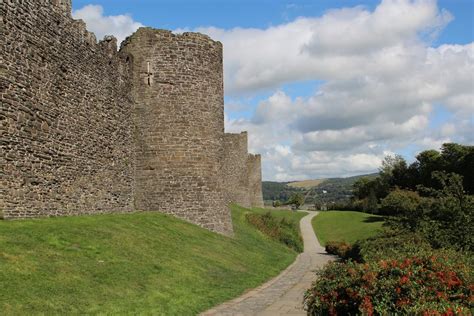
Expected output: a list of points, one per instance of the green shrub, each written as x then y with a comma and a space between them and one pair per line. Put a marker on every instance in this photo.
400, 202
386, 246
418, 285
283, 230
445, 216
338, 248
390, 245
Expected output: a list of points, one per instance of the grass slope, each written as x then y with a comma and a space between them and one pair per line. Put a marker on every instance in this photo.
345, 226
143, 263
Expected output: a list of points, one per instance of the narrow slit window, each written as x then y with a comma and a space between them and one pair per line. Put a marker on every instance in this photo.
148, 73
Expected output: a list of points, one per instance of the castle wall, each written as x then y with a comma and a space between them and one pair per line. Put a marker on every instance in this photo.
179, 120
65, 115
85, 129
254, 163
236, 174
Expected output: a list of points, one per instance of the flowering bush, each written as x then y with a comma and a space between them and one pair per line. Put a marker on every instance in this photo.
429, 285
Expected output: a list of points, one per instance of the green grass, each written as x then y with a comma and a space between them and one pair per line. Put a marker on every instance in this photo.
143, 263
345, 226
289, 215
280, 226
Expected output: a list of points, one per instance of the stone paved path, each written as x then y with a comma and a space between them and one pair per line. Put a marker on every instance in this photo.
282, 295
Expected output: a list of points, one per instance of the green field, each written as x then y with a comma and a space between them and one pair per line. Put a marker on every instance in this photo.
143, 263
345, 226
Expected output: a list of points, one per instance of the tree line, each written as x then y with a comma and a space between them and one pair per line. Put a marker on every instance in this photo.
433, 195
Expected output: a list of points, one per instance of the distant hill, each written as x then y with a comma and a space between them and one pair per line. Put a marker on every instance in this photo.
317, 190
306, 184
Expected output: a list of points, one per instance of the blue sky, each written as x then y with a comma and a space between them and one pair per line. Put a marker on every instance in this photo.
174, 14
327, 88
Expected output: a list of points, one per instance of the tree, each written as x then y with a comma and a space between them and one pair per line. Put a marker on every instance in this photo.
427, 162
364, 187
394, 172
459, 159
445, 216
360, 188
452, 158
372, 205
296, 199
400, 202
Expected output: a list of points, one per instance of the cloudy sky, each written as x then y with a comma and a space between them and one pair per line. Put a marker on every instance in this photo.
327, 88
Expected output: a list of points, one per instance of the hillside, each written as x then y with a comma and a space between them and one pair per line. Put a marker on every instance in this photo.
337, 189
306, 184
277, 190
142, 263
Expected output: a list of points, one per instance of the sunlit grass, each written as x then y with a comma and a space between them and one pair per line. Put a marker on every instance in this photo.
143, 263
345, 226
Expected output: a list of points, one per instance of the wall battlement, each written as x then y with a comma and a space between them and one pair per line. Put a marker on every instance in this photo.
85, 129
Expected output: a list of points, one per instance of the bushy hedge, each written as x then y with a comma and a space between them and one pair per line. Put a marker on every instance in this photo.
393, 273
387, 245
390, 245
400, 202
283, 230
427, 285
339, 248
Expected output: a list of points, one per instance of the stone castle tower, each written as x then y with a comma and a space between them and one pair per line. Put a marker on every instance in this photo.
89, 129
179, 124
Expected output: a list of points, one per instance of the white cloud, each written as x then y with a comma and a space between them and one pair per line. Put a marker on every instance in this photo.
381, 79
340, 44
119, 26
380, 82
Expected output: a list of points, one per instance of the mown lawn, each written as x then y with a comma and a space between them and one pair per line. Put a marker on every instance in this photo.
345, 226
143, 263
290, 215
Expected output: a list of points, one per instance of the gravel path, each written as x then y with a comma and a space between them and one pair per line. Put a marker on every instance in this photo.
282, 295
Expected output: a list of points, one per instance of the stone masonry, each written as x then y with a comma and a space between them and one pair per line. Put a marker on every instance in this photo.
242, 172
254, 165
87, 129
65, 115
179, 125
236, 172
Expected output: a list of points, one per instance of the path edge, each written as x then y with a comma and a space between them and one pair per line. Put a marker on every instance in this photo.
258, 289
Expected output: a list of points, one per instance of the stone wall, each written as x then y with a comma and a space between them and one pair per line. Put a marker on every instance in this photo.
86, 129
255, 180
179, 125
65, 115
236, 175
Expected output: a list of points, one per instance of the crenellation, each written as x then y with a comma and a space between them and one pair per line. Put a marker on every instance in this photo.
109, 45
87, 129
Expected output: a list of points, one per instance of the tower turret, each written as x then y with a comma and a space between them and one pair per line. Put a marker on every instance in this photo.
179, 125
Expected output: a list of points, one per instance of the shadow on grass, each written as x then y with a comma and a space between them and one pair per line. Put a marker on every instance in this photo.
374, 219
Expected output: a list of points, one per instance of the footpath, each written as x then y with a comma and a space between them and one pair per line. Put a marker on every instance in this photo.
283, 295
